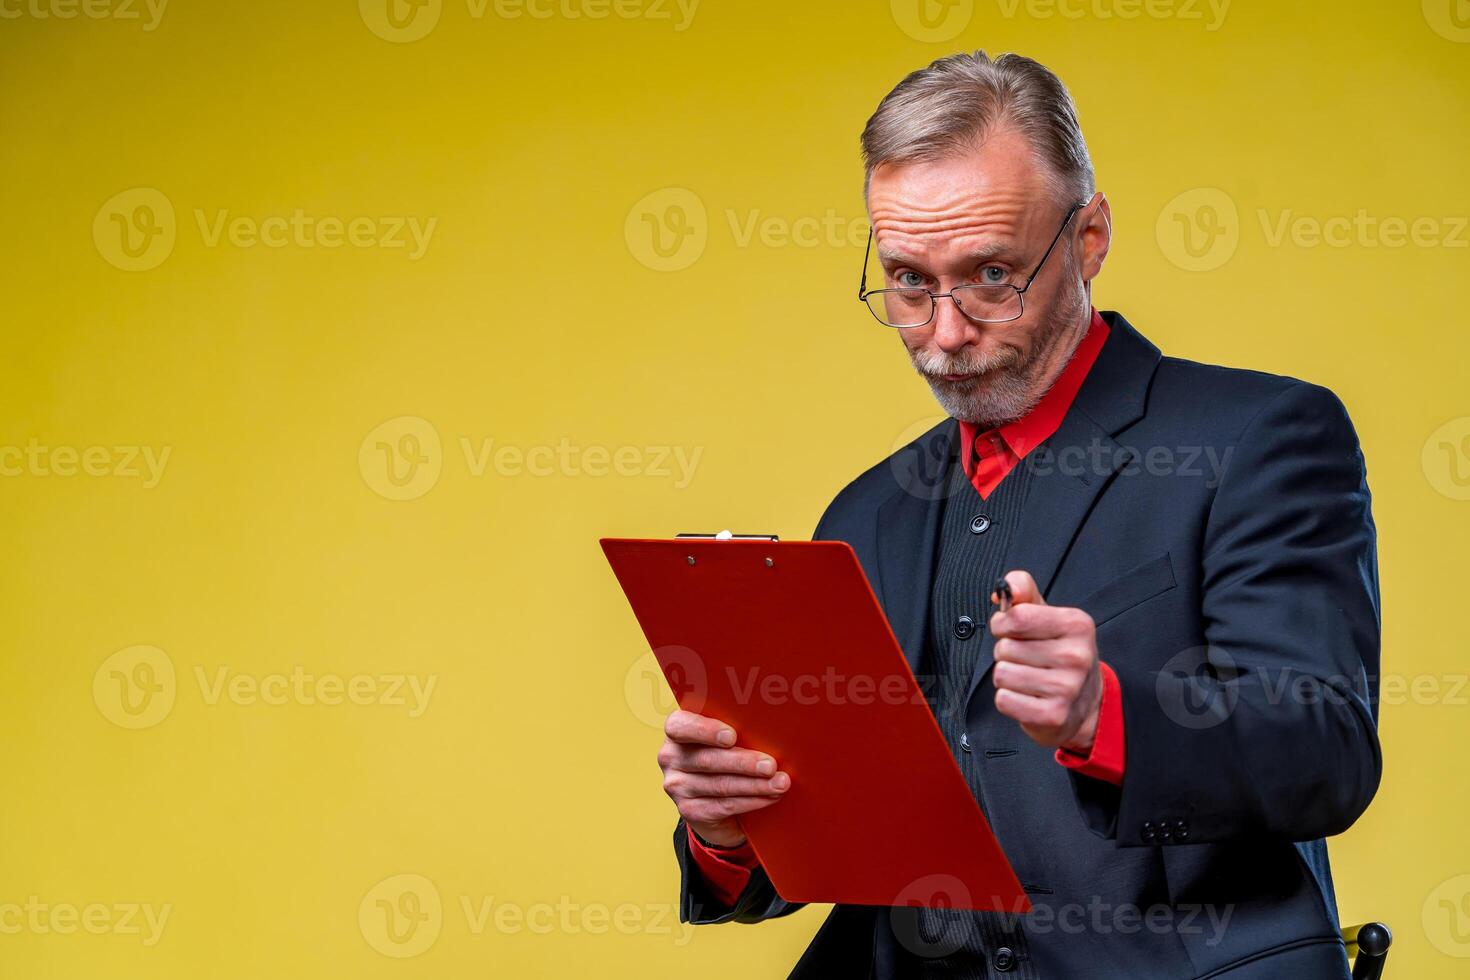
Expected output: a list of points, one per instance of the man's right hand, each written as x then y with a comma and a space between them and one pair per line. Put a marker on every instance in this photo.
712, 782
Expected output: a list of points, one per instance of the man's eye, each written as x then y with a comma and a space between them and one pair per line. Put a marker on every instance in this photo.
993, 275
909, 280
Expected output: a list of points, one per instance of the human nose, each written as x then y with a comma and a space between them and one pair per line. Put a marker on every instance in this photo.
953, 331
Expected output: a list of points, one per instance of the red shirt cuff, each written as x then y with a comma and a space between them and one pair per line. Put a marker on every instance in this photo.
1105, 761
726, 871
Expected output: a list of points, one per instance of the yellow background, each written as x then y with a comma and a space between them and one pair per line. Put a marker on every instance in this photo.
540, 315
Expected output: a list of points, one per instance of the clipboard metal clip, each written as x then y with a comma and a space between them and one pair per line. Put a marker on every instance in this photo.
728, 536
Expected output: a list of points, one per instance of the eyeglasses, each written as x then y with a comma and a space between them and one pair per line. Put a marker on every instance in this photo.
981, 302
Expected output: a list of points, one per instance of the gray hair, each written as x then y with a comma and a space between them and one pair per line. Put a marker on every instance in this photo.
941, 110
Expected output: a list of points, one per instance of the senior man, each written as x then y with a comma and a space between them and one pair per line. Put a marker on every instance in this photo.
1180, 703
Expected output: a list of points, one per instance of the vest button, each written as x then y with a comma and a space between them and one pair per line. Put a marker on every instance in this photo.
980, 524
1005, 959
964, 627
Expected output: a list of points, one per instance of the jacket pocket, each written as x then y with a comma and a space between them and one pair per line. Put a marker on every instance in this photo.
1136, 585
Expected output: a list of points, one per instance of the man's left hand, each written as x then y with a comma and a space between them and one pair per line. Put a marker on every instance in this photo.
1046, 668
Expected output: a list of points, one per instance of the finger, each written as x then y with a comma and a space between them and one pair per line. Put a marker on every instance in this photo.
1032, 653
1034, 622
1037, 682
690, 728
709, 809
689, 785
742, 762
1023, 589
1031, 712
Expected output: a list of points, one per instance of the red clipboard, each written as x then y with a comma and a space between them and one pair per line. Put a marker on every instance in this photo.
787, 642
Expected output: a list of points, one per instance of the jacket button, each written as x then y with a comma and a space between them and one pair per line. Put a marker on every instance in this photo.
980, 524
965, 741
1148, 832
1181, 829
964, 627
1005, 959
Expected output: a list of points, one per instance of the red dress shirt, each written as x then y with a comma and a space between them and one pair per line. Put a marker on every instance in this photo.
987, 457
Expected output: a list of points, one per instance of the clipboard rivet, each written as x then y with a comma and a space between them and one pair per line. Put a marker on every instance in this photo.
691, 559
770, 562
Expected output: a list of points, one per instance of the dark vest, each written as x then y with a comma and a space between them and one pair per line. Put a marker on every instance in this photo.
974, 535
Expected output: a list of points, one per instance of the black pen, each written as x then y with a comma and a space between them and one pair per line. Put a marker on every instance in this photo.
1002, 590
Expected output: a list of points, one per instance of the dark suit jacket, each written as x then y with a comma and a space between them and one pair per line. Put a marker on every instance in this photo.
1216, 524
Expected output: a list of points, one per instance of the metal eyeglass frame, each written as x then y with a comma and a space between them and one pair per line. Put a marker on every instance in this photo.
864, 292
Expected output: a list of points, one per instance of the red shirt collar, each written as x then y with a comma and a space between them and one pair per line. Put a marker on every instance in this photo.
1034, 428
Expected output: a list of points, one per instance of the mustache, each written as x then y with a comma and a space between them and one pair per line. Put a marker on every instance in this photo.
936, 364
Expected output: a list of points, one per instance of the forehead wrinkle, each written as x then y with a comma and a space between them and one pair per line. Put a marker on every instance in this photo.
992, 228
984, 252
